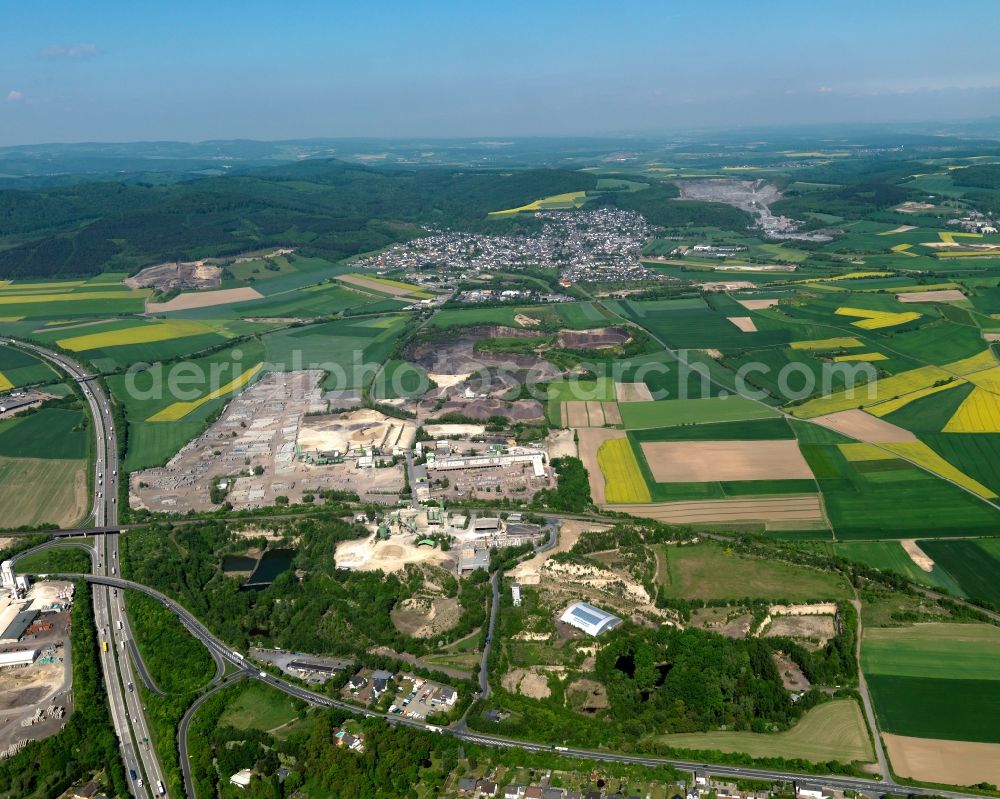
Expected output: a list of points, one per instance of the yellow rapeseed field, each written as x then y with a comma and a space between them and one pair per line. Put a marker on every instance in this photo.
179, 410
885, 389
949, 236
861, 356
976, 363
890, 406
904, 249
864, 452
569, 198
876, 320
623, 480
83, 296
839, 343
922, 455
988, 379
978, 413
140, 334
5, 383
845, 276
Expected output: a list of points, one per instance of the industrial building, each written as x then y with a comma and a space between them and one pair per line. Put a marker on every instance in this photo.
471, 559
591, 620
18, 660
21, 622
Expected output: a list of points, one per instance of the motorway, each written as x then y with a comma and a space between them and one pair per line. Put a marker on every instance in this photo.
145, 775
127, 712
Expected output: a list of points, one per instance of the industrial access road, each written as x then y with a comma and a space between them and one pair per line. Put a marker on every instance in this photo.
145, 775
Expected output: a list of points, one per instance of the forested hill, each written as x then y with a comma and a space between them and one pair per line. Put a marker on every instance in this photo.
326, 208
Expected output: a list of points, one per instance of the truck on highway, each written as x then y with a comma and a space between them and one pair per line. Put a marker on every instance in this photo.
104, 645
159, 788
237, 655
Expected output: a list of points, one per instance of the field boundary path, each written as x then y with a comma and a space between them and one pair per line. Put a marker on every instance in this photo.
866, 701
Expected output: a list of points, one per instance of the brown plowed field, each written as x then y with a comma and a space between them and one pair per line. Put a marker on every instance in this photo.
718, 461
596, 414
632, 392
204, 299
864, 427
950, 762
800, 507
575, 414
612, 413
945, 295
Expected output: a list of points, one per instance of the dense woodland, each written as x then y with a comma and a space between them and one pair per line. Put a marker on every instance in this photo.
347, 209
671, 680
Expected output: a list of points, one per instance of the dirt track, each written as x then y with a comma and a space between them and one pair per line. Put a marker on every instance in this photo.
711, 461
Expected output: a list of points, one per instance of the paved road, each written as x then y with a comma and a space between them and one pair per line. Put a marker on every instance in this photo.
869, 786
127, 714
182, 733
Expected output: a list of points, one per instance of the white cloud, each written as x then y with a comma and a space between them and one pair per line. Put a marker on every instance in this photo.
824, 90
14, 96
70, 51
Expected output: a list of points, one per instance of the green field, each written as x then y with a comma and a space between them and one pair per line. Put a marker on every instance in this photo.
832, 731
19, 368
564, 314
955, 651
664, 413
935, 680
753, 430
37, 491
973, 565
147, 393
890, 556
400, 379
349, 350
64, 560
708, 571
927, 707
59, 433
259, 707
872, 500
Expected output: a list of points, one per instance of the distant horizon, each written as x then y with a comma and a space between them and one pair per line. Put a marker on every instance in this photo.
910, 127
195, 72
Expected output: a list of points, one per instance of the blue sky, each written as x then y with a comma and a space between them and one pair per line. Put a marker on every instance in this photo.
120, 71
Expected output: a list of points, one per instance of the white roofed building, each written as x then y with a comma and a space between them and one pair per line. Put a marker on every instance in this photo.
590, 619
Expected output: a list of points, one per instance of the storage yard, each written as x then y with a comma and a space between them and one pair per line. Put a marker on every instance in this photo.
264, 446
35, 663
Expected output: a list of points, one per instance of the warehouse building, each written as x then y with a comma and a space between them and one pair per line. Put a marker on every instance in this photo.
18, 660
591, 620
21, 622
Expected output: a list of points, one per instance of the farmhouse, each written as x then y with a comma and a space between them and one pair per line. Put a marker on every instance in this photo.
591, 620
